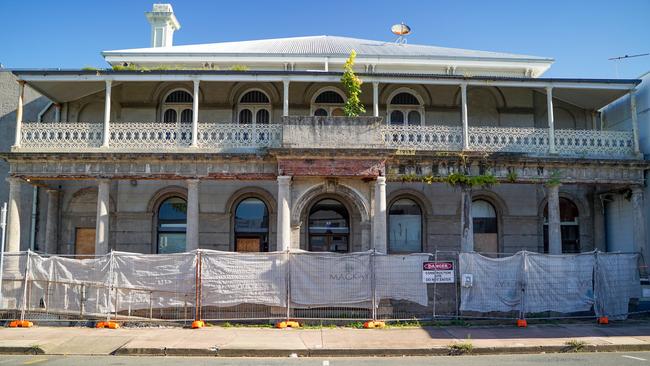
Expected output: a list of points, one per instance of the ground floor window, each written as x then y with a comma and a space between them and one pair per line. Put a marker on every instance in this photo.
404, 227
251, 226
329, 227
569, 227
172, 225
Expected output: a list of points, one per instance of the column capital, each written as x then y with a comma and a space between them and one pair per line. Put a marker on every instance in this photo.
284, 179
108, 82
21, 82
637, 189
375, 83
196, 82
13, 180
285, 82
381, 180
192, 182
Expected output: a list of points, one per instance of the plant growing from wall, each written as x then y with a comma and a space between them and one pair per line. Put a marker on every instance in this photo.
239, 68
352, 84
555, 179
512, 176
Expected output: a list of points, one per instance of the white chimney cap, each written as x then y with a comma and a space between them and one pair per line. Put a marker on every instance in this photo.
163, 25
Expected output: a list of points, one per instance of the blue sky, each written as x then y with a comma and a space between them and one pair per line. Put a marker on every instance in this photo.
580, 35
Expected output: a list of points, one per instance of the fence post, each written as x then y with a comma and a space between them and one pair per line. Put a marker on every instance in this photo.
288, 283
524, 275
435, 274
3, 228
198, 285
27, 269
110, 287
373, 284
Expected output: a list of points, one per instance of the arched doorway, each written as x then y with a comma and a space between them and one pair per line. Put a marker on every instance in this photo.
251, 226
404, 227
329, 227
172, 226
484, 222
569, 227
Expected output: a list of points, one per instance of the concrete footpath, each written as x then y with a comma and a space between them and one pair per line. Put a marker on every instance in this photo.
266, 342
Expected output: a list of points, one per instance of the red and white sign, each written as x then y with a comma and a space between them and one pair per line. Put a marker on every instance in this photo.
438, 272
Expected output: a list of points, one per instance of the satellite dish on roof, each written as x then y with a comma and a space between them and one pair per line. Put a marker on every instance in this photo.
401, 30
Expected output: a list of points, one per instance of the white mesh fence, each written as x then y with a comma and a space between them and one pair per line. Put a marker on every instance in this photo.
220, 286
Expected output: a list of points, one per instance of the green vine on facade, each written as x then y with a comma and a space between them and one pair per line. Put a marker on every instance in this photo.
555, 179
453, 179
353, 106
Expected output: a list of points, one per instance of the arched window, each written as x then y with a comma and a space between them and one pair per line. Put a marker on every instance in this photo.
251, 226
177, 107
404, 108
404, 227
329, 227
569, 227
172, 225
484, 221
328, 102
254, 107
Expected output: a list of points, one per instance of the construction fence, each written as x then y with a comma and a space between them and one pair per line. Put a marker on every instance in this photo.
226, 286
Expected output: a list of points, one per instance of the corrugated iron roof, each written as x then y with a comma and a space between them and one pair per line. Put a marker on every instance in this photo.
326, 46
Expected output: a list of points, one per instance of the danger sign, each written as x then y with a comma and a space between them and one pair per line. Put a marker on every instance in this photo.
438, 272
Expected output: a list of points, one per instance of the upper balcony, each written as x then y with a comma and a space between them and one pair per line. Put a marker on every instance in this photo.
250, 112
297, 132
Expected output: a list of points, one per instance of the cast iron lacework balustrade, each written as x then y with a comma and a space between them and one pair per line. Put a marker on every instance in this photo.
61, 136
150, 136
594, 143
508, 139
423, 137
235, 136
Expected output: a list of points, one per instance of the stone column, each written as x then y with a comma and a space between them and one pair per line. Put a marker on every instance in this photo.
102, 230
57, 112
192, 214
379, 217
466, 223
464, 115
107, 115
285, 98
554, 227
13, 215
635, 122
195, 115
52, 222
639, 234
284, 213
19, 113
375, 99
551, 120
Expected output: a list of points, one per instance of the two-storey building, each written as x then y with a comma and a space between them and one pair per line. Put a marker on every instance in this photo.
243, 146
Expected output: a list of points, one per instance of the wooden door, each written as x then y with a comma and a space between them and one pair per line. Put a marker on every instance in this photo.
248, 244
84, 242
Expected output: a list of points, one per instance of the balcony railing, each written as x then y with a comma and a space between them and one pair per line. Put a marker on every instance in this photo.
318, 132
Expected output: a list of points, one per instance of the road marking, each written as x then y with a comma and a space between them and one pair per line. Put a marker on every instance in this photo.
634, 358
36, 360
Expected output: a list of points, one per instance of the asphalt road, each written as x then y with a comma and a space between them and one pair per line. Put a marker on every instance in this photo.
590, 359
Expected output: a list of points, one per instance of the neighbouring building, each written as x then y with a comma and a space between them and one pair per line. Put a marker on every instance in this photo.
243, 146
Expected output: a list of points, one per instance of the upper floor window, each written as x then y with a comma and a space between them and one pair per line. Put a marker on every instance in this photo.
404, 108
177, 107
328, 102
254, 107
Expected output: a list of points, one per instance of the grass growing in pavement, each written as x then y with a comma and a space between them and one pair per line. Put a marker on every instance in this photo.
574, 345
461, 348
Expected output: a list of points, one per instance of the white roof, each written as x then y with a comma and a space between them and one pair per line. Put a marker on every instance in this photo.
324, 46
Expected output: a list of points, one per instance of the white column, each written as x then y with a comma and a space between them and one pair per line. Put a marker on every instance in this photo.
13, 215
554, 228
57, 112
466, 221
102, 229
285, 98
284, 213
379, 217
192, 214
639, 223
551, 120
19, 113
375, 99
635, 122
52, 222
195, 115
464, 117
107, 114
